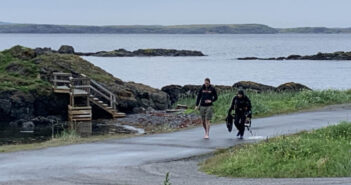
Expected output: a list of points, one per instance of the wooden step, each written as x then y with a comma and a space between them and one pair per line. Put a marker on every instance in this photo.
101, 102
79, 108
81, 116
81, 119
79, 92
119, 115
80, 112
105, 105
96, 99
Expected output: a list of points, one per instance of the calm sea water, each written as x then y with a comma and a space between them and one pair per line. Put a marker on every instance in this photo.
220, 64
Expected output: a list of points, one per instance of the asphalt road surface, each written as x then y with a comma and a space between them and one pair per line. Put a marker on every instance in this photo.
145, 160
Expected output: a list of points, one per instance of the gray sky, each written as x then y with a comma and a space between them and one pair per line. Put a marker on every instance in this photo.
275, 13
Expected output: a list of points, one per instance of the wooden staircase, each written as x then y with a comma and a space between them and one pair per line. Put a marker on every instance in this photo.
87, 90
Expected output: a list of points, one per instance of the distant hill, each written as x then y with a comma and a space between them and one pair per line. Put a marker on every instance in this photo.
177, 29
314, 30
2, 23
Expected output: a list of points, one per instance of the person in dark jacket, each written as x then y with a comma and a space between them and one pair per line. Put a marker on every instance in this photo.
204, 101
241, 105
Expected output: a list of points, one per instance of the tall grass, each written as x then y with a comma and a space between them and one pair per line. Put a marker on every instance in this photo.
269, 103
321, 153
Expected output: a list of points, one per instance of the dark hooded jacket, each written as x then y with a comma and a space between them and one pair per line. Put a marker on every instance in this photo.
241, 106
206, 93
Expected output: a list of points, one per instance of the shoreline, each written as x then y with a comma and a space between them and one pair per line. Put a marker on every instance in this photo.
106, 137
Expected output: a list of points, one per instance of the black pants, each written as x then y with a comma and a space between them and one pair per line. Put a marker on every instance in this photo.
239, 121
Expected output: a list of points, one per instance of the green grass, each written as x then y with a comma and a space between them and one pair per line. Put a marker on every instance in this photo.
16, 74
324, 152
271, 103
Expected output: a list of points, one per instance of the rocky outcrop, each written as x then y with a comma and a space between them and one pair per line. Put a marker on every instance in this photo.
253, 86
32, 123
176, 92
66, 49
21, 52
16, 105
292, 86
340, 55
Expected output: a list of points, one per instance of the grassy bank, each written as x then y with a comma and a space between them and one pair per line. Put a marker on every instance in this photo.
65, 138
321, 153
271, 103
20, 74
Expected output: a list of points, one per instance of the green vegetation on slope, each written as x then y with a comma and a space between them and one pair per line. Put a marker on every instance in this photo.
19, 74
321, 153
270, 103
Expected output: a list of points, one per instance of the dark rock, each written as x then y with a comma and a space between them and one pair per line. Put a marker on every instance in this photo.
253, 86
146, 96
17, 123
41, 120
21, 52
293, 57
137, 110
28, 126
223, 88
5, 107
191, 90
174, 92
41, 51
166, 52
65, 49
339, 55
292, 86
18, 68
15, 105
248, 58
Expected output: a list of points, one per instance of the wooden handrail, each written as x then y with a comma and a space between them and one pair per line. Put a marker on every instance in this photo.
85, 83
111, 97
100, 93
62, 78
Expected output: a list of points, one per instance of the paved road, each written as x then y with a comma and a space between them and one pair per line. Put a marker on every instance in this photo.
145, 160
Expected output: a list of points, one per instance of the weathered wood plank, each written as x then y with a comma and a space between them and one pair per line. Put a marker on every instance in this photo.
80, 112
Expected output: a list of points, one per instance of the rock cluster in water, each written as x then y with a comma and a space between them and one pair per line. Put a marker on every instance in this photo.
340, 55
65, 49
